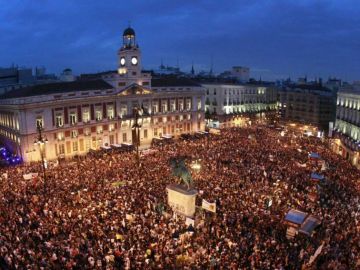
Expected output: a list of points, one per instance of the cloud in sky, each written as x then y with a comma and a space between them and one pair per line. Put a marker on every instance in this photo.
291, 38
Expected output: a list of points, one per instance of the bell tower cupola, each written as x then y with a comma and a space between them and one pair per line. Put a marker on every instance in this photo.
129, 38
129, 68
129, 55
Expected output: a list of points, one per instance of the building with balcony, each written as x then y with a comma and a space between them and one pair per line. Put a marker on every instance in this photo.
308, 104
223, 101
346, 140
77, 116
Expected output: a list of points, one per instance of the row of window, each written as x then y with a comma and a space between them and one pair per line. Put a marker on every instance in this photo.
174, 118
98, 112
229, 91
87, 132
100, 129
96, 142
14, 137
82, 93
234, 102
9, 121
348, 103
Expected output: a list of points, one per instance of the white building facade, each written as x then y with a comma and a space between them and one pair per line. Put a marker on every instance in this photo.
82, 115
347, 125
229, 99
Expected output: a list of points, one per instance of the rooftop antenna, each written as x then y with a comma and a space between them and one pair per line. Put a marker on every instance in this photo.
211, 65
192, 68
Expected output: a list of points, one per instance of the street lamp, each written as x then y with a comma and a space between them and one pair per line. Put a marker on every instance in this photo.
136, 127
40, 140
196, 165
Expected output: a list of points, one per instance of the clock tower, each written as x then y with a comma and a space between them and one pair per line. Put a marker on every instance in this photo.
129, 55
129, 69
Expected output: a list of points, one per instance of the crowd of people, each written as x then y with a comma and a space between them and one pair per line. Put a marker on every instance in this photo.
102, 211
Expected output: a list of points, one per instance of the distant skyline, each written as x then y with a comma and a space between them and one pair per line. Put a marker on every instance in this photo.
276, 39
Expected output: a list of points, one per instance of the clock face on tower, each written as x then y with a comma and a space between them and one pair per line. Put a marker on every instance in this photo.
134, 60
122, 61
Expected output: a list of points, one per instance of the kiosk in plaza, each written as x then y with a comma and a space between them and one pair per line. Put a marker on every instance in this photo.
299, 221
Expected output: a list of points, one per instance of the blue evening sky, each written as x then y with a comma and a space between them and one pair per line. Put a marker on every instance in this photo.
275, 38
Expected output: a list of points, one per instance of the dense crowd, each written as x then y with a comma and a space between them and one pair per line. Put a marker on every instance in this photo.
103, 212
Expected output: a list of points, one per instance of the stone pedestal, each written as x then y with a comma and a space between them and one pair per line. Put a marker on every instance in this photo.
182, 200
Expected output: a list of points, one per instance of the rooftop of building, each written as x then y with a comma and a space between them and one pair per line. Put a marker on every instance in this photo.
315, 89
55, 88
353, 90
168, 81
235, 83
317, 86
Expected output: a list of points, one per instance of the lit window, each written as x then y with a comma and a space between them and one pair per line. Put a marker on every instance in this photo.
99, 129
98, 115
111, 127
74, 133
163, 106
72, 118
61, 149
60, 136
75, 146
123, 111
181, 105
188, 104
87, 131
87, 145
86, 116
39, 122
154, 108
172, 105
110, 112
59, 120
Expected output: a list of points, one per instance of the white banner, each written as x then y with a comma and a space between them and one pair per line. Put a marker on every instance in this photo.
300, 165
190, 221
29, 176
208, 206
129, 217
316, 254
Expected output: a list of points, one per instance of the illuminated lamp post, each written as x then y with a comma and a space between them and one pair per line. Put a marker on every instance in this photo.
40, 140
136, 127
196, 165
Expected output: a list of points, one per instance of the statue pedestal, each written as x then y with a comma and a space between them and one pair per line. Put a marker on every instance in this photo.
181, 200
